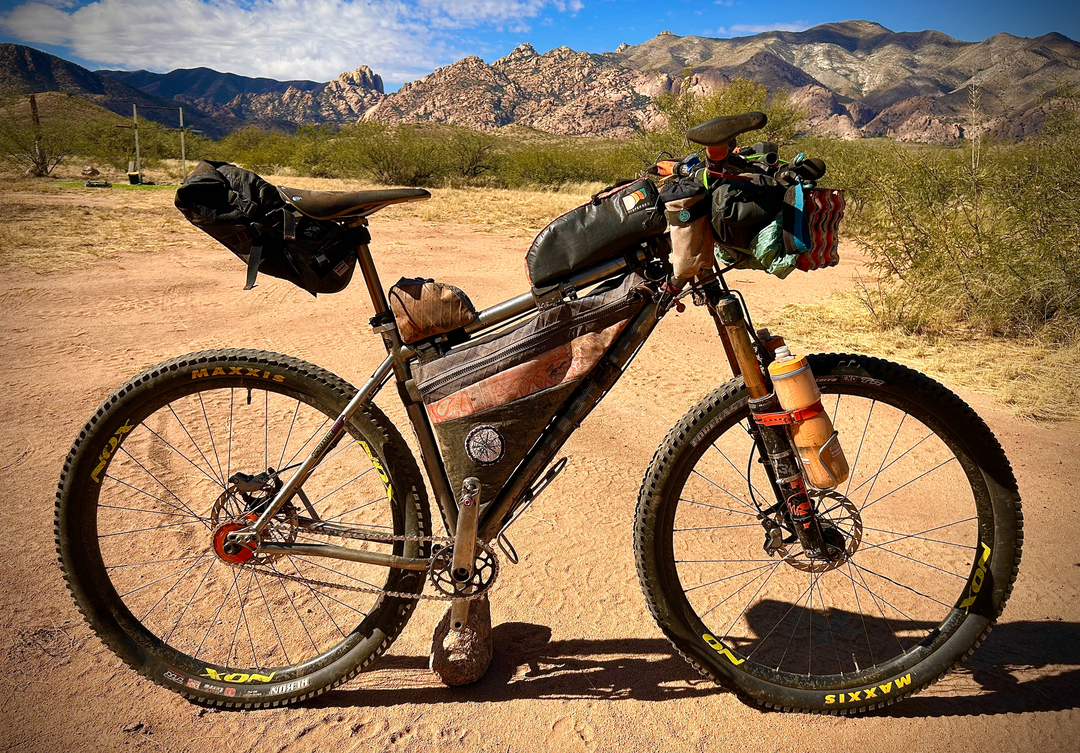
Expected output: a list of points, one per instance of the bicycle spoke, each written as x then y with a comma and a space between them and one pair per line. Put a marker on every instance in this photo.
717, 528
210, 433
725, 491
864, 568
335, 491
919, 535
213, 622
721, 580
285, 446
717, 507
152, 528
316, 596
924, 475
174, 585
736, 469
858, 453
927, 564
273, 622
190, 599
183, 427
159, 482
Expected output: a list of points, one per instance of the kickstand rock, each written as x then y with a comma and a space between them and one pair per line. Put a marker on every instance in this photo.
459, 657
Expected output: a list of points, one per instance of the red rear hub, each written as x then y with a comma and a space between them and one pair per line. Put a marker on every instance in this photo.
231, 551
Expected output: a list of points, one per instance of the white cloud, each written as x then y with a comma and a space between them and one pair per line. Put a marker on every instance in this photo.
741, 30
738, 29
284, 39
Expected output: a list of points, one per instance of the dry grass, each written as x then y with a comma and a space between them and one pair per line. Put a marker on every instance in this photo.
46, 226
1030, 378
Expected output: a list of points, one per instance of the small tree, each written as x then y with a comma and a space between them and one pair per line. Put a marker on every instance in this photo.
686, 108
36, 146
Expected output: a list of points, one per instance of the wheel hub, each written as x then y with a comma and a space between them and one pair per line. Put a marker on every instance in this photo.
238, 507
841, 528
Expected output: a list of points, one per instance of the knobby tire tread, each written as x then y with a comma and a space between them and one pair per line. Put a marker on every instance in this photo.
404, 463
666, 454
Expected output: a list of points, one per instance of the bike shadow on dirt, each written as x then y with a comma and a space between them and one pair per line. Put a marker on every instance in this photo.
1022, 667
528, 664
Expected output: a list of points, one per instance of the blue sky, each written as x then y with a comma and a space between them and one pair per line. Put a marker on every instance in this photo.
317, 39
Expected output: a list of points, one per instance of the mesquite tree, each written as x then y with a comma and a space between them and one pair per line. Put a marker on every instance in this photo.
36, 146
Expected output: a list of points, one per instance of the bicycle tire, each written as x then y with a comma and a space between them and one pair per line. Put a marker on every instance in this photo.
735, 656
106, 484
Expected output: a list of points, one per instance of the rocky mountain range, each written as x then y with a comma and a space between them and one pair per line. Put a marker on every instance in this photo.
854, 79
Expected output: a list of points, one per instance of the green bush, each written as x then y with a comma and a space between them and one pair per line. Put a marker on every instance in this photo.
982, 236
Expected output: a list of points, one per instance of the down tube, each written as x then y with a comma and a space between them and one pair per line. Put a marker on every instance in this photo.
569, 418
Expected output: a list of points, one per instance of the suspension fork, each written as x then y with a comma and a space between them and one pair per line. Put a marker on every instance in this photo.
774, 442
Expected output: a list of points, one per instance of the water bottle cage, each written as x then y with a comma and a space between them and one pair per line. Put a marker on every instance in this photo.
786, 418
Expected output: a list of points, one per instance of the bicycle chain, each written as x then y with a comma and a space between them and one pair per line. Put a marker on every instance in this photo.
385, 538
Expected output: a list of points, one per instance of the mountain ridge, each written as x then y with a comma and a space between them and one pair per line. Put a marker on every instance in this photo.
855, 78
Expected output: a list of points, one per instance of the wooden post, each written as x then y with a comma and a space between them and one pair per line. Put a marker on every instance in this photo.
138, 160
183, 153
38, 168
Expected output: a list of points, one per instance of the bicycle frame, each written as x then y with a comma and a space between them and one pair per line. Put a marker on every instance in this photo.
519, 488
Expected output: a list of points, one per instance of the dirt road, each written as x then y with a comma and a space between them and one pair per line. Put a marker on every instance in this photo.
579, 664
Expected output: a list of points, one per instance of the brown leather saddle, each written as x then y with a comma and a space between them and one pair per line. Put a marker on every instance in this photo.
336, 205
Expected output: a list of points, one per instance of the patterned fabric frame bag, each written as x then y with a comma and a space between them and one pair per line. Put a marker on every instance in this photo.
490, 400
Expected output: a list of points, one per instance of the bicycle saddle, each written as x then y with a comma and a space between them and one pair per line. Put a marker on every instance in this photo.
328, 205
720, 131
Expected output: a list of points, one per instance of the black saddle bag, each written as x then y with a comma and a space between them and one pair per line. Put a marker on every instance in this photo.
247, 215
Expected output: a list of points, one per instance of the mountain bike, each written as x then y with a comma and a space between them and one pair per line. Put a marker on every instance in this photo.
247, 529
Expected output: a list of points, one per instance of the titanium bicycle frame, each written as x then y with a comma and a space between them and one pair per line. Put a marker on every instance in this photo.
520, 488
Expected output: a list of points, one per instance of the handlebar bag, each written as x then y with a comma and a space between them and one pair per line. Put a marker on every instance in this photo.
489, 400
743, 206
247, 215
599, 230
425, 308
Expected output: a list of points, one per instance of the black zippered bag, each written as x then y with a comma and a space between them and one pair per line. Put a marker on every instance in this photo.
248, 216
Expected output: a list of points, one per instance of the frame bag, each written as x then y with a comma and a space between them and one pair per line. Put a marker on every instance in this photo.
248, 215
490, 400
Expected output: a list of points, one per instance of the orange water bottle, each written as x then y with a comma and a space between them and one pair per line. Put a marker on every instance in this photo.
816, 442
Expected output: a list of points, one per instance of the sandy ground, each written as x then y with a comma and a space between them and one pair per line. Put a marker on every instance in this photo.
579, 664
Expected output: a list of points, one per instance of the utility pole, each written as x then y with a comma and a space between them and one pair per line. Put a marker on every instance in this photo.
182, 129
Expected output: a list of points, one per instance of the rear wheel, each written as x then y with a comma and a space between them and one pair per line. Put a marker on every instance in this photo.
929, 523
192, 449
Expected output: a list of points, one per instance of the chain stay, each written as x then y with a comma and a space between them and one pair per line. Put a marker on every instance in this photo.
384, 538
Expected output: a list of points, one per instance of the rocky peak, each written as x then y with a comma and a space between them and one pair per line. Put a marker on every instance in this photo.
363, 77
521, 52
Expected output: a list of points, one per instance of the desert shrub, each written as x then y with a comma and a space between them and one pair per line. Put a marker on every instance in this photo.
257, 149
983, 236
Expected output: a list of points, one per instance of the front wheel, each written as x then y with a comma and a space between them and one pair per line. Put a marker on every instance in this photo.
929, 523
191, 450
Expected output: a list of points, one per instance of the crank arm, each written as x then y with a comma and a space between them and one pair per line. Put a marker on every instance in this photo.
344, 553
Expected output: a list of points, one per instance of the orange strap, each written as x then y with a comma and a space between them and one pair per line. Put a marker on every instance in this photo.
789, 417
